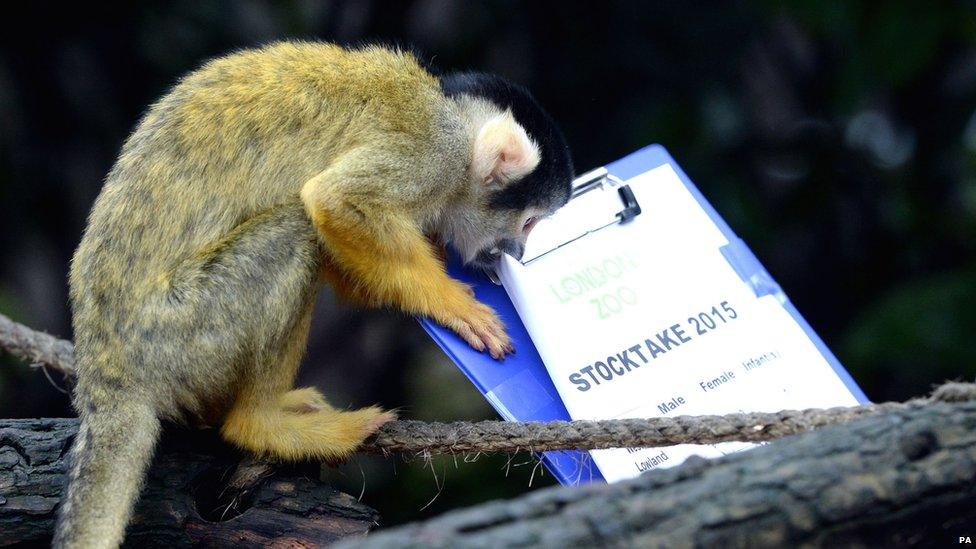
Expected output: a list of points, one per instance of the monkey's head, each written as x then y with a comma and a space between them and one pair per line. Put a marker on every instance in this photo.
520, 169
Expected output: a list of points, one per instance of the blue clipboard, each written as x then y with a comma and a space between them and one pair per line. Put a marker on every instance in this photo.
520, 389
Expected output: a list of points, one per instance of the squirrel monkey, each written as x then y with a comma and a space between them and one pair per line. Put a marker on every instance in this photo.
257, 177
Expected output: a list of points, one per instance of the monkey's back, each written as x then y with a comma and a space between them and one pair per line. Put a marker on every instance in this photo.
232, 139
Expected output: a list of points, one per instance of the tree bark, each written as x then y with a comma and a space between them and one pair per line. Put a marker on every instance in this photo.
902, 478
199, 492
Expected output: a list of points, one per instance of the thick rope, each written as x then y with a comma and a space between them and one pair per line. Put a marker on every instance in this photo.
506, 436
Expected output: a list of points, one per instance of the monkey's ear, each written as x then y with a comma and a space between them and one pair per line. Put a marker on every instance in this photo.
503, 151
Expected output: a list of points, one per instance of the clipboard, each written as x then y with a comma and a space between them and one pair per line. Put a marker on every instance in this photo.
521, 388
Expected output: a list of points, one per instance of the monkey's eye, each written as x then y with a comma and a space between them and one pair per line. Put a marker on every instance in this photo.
529, 223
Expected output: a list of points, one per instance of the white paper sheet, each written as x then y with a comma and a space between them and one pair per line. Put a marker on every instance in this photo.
648, 319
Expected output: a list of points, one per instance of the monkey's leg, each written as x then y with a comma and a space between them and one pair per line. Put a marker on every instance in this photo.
392, 261
261, 278
306, 399
297, 424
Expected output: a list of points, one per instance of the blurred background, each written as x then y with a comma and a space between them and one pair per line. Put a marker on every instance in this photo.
837, 138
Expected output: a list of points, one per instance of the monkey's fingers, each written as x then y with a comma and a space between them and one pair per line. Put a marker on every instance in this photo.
382, 419
492, 332
372, 425
481, 339
502, 334
469, 337
482, 330
497, 346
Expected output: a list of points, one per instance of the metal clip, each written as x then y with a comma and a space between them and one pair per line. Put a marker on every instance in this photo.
589, 181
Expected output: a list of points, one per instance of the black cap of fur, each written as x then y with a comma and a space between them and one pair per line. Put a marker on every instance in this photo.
553, 178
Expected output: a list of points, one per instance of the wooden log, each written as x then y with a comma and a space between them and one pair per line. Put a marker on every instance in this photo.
904, 478
199, 492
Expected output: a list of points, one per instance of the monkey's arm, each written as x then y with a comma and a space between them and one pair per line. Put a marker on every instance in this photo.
342, 284
381, 256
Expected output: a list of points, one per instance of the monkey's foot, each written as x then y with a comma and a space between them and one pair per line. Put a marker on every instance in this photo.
379, 420
303, 401
481, 328
324, 434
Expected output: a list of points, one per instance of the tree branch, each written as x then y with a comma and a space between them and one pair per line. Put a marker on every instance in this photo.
198, 492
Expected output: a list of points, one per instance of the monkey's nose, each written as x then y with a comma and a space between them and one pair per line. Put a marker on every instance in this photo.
512, 247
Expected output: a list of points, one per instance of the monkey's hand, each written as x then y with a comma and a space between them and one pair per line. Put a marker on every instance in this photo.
480, 327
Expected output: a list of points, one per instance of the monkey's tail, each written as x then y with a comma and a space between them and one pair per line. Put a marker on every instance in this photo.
109, 459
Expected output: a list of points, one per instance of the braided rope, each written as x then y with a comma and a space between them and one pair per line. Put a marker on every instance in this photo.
506, 436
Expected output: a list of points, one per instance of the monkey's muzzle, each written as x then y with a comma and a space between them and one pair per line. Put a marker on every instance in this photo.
488, 257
